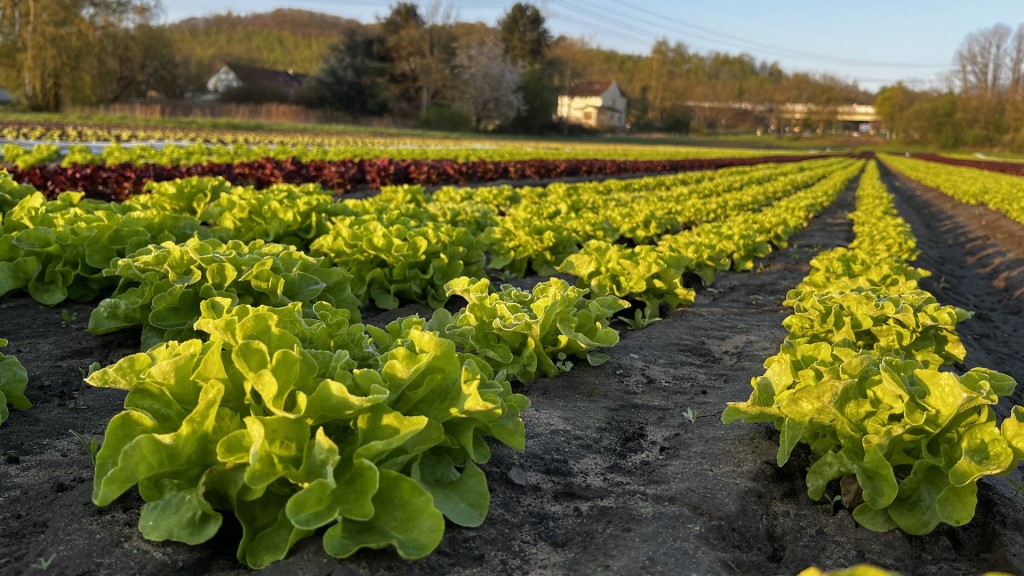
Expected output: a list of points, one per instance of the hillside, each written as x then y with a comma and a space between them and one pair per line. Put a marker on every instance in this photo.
282, 39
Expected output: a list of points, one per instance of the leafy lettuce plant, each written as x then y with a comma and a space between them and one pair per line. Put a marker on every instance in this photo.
162, 286
79, 154
842, 269
404, 260
181, 196
296, 424
916, 439
11, 192
58, 249
524, 246
282, 213
13, 380
912, 322
26, 157
529, 334
644, 273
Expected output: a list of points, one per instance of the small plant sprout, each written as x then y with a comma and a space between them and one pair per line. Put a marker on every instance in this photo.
44, 563
76, 401
691, 415
563, 363
641, 319
67, 317
90, 446
88, 370
505, 276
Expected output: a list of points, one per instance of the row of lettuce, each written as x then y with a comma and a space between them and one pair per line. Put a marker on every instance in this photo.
27, 154
262, 394
967, 182
862, 379
402, 244
121, 181
1004, 166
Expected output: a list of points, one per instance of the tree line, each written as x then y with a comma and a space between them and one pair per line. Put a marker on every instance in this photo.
54, 53
981, 104
421, 64
414, 64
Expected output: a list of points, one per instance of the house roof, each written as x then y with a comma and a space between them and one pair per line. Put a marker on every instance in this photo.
253, 75
589, 87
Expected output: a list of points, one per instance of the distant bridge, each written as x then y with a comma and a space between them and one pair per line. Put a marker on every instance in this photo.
864, 113
843, 112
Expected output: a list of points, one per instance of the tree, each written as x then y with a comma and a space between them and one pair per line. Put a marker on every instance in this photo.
990, 77
59, 52
489, 84
933, 118
982, 61
526, 43
135, 62
672, 74
437, 54
403, 30
893, 105
524, 35
419, 52
353, 76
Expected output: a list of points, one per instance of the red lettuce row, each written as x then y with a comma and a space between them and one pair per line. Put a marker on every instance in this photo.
122, 181
1012, 168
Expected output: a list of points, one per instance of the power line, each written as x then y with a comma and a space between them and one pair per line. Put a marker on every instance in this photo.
716, 37
637, 35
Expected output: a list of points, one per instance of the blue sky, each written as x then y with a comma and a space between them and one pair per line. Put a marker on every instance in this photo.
872, 42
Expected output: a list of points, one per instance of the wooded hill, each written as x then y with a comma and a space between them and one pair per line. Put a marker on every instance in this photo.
281, 39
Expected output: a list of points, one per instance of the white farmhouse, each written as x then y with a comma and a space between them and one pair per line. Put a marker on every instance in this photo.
599, 105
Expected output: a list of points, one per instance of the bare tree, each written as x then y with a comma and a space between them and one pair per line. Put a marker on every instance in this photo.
1016, 64
982, 61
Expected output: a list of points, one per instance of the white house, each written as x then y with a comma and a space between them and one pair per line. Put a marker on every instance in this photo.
595, 104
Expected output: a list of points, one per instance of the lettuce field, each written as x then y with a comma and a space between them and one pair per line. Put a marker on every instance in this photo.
221, 360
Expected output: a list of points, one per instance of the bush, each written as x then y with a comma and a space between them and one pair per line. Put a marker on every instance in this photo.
447, 119
677, 124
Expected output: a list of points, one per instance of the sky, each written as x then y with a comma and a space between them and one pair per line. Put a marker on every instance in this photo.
871, 42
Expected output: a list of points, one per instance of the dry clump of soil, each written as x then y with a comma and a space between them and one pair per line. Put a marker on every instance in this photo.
615, 477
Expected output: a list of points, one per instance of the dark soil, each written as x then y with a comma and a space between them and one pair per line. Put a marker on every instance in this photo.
615, 478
